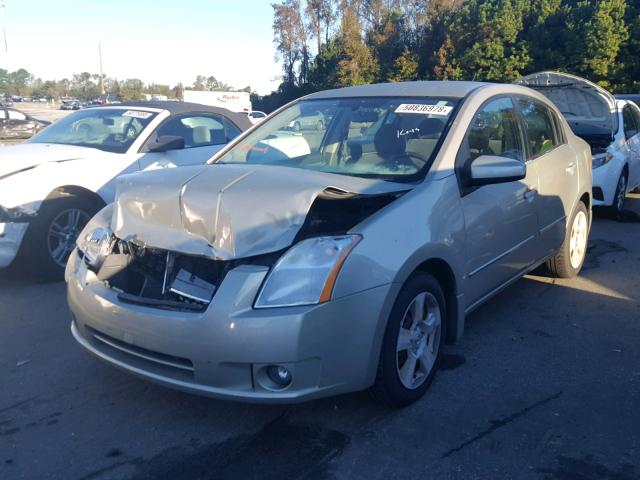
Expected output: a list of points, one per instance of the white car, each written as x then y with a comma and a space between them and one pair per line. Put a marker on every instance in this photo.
256, 116
610, 126
52, 185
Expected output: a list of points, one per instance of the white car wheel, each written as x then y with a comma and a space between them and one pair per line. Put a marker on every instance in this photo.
578, 239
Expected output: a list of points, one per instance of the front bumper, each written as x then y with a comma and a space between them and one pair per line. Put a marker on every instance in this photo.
11, 236
606, 179
223, 352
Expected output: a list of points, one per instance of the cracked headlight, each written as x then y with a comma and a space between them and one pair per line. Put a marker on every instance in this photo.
306, 273
96, 246
96, 239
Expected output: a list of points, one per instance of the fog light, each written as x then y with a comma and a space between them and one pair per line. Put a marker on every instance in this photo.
279, 375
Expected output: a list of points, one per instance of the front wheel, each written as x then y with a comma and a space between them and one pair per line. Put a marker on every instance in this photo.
412, 344
568, 262
621, 194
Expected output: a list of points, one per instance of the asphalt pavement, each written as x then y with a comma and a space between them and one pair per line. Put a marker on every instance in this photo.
545, 384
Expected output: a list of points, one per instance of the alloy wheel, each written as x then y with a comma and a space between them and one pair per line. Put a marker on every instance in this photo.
418, 340
621, 192
63, 232
578, 239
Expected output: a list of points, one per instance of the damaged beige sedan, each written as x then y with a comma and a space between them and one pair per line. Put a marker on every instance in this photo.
302, 263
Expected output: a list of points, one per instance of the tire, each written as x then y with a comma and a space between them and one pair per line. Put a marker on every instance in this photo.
568, 262
319, 125
52, 236
423, 340
617, 208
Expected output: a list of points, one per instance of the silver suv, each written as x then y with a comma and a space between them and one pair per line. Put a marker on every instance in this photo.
299, 266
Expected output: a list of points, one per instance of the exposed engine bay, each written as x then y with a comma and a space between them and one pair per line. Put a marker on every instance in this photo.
167, 279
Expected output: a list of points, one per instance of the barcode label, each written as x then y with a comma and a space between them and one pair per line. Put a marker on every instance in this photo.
423, 109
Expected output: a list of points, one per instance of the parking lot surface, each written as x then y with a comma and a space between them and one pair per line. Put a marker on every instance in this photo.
544, 384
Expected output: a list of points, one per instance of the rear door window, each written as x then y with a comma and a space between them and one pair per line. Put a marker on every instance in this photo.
540, 132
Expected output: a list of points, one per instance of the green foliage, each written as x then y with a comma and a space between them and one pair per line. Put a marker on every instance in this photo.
492, 40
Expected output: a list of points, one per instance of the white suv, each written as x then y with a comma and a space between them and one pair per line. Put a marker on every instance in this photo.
611, 127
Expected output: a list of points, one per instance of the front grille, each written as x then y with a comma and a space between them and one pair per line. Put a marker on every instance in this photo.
160, 363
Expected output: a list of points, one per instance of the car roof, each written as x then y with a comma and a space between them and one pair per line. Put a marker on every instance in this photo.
180, 108
453, 89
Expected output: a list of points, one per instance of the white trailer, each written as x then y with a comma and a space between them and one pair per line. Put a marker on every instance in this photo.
234, 101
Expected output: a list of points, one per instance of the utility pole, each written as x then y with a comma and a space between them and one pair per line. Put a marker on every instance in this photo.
3, 6
101, 74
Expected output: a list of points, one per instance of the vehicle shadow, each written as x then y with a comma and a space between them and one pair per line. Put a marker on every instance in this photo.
561, 318
631, 213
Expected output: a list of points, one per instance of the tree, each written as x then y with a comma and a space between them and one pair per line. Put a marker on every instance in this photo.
320, 16
602, 27
357, 65
19, 81
290, 38
132, 89
178, 91
405, 67
84, 87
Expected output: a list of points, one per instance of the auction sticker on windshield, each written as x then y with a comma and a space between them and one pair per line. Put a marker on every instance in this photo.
136, 114
423, 109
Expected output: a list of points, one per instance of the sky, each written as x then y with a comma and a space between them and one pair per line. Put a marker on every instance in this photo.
161, 41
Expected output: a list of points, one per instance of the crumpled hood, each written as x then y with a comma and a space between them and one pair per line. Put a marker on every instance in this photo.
226, 211
16, 158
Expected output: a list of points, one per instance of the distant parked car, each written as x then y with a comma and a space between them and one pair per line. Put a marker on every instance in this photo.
312, 121
611, 127
6, 102
53, 184
17, 124
256, 116
70, 105
288, 271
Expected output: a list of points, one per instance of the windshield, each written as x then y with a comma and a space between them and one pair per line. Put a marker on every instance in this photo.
391, 138
111, 130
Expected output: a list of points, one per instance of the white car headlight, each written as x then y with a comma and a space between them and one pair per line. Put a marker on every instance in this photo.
96, 246
306, 273
600, 160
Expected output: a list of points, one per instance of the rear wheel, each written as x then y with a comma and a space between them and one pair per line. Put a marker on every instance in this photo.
52, 237
568, 262
319, 125
412, 344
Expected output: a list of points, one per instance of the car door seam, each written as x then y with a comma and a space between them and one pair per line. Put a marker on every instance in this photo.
501, 256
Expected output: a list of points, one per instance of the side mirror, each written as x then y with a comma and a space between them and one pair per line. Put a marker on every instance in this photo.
488, 169
164, 143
